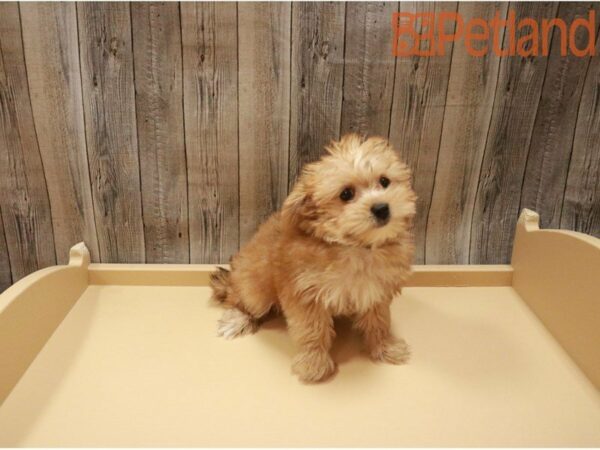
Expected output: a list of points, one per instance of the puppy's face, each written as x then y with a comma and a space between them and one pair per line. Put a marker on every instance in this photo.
358, 195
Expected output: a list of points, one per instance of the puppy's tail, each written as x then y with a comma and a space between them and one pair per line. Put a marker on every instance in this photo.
220, 284
235, 321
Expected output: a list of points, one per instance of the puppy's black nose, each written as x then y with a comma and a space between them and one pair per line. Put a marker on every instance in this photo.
381, 211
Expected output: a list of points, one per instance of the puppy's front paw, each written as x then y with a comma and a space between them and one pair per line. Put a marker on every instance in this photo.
313, 366
394, 352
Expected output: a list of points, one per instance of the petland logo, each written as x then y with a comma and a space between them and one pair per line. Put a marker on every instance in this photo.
533, 35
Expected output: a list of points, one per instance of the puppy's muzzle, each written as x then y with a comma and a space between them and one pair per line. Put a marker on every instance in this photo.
381, 211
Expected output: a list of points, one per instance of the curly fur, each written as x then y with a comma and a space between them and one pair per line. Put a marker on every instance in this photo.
321, 256
219, 281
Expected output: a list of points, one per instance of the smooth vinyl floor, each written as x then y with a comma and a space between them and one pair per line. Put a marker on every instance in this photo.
142, 366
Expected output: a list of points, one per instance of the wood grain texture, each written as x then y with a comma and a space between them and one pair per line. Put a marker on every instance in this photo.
159, 107
554, 129
5, 275
496, 208
317, 78
109, 106
264, 110
421, 85
211, 117
469, 105
52, 56
167, 132
368, 68
23, 193
581, 207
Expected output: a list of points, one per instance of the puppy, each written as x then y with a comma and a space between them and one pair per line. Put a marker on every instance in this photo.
341, 245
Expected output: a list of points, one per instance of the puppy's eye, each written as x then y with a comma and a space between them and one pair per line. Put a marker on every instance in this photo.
384, 181
347, 194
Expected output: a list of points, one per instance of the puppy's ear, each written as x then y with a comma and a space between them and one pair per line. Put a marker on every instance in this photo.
298, 207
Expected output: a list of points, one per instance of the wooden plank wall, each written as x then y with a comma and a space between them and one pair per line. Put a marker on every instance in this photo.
166, 132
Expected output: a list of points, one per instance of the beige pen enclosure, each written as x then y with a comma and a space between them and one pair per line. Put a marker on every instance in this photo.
127, 355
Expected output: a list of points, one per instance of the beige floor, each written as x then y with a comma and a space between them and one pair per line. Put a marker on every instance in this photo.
140, 365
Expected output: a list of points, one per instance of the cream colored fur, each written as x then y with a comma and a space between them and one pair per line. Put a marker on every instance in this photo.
323, 256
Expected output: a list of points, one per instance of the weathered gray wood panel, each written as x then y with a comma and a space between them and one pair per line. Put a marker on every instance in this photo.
24, 197
496, 208
581, 207
421, 85
159, 105
118, 121
368, 68
109, 106
5, 275
264, 110
317, 77
210, 96
467, 115
552, 137
52, 57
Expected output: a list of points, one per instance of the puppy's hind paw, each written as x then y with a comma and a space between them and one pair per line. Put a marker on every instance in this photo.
395, 352
235, 323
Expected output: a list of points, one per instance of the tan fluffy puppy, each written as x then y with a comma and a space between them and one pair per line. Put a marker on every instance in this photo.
341, 245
